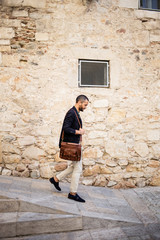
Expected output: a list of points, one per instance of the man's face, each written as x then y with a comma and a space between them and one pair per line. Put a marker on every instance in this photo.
83, 105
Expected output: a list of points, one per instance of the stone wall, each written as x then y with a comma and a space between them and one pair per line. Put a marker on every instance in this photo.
40, 44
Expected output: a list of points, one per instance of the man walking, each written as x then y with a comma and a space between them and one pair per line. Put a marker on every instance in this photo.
72, 133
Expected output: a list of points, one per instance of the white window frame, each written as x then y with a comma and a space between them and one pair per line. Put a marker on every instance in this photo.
93, 61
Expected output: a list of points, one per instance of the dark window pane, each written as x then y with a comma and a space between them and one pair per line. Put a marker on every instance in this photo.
93, 73
143, 3
155, 4
150, 4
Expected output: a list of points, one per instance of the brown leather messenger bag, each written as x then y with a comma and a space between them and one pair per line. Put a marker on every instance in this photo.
70, 151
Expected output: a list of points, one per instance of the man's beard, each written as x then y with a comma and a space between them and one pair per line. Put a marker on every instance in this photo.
81, 109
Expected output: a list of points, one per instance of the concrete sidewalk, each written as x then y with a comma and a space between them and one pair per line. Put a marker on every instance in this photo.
33, 210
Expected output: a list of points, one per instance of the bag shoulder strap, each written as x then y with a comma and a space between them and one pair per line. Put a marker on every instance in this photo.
79, 125
78, 119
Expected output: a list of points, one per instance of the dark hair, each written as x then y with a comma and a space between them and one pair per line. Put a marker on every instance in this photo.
81, 98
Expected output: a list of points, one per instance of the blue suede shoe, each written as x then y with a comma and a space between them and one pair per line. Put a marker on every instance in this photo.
56, 184
76, 198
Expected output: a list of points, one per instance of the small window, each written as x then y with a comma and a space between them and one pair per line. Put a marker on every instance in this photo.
150, 4
93, 73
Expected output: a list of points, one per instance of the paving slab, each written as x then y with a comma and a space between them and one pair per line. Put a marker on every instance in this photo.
28, 223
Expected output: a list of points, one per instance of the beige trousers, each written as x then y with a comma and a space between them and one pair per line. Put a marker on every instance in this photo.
74, 167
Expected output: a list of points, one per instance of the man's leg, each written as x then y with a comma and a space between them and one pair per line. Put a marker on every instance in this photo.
55, 180
77, 170
65, 173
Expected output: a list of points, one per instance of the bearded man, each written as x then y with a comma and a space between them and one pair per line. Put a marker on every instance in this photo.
72, 131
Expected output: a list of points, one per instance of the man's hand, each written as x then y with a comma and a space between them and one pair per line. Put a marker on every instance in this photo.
81, 131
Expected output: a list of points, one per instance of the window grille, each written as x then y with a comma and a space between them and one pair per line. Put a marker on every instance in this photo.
150, 4
93, 73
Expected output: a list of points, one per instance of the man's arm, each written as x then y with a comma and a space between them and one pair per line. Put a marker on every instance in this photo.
69, 118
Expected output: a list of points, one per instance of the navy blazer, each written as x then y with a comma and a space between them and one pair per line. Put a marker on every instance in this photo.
70, 125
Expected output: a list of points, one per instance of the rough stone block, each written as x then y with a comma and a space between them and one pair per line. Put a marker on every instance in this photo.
10, 60
10, 148
11, 22
35, 174
33, 153
20, 13
14, 158
115, 74
91, 171
111, 183
153, 135
92, 153
99, 126
21, 167
6, 33
97, 134
116, 149
111, 163
156, 150
155, 181
155, 36
43, 131
88, 162
4, 79
26, 141
25, 173
42, 37
4, 49
88, 182
26, 3
137, 174
60, 166
33, 166
6, 172
35, 15
16, 173
4, 42
141, 148
142, 38
147, 14
34, 4
100, 181
154, 164
46, 172
89, 116
123, 162
11, 166
152, 24
128, 4
105, 170
140, 183
103, 103
12, 3
116, 115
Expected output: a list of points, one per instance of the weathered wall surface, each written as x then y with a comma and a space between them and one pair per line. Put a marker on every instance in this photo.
40, 44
